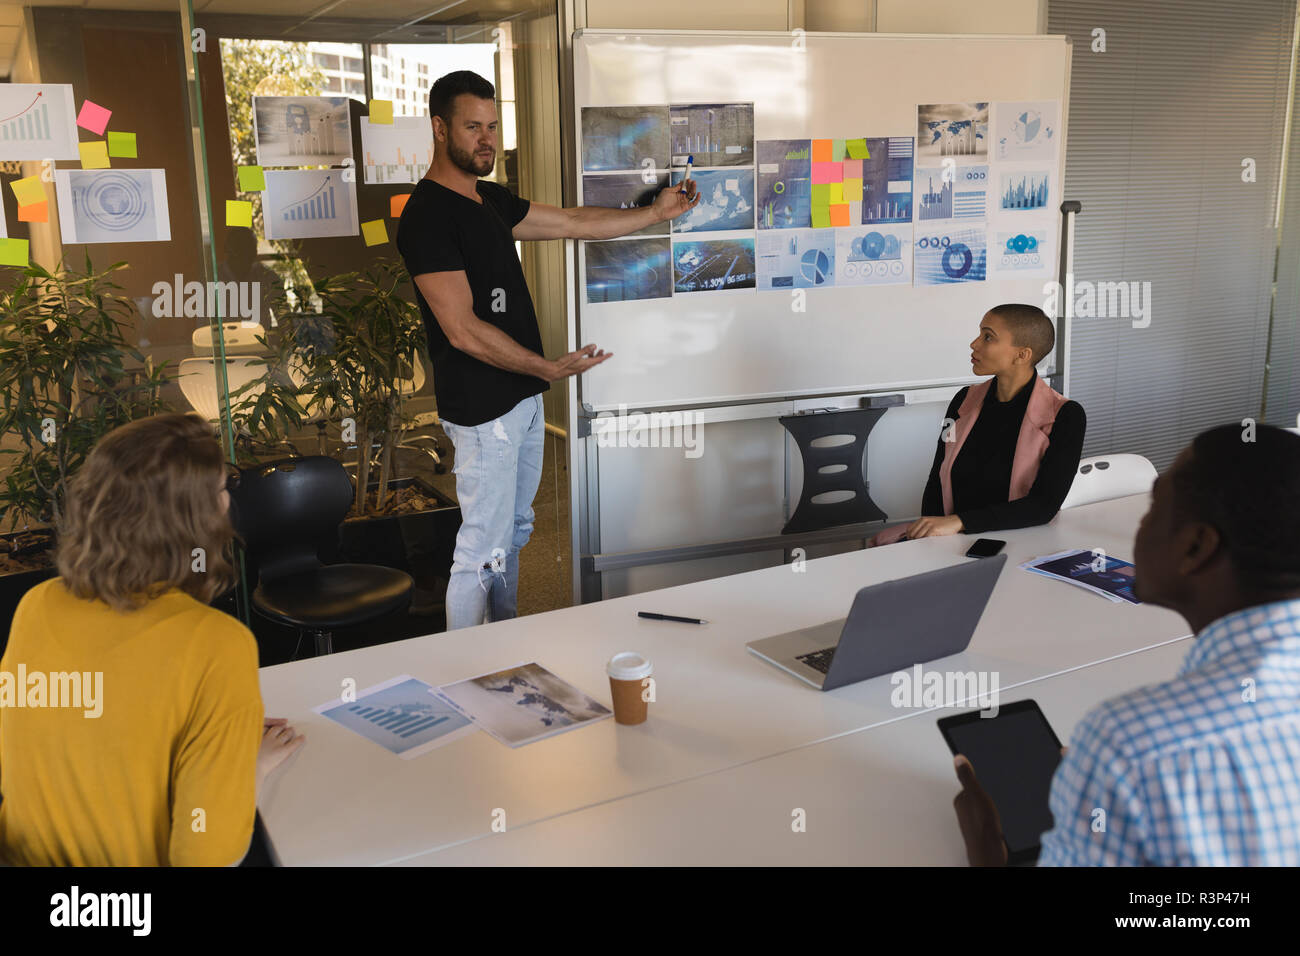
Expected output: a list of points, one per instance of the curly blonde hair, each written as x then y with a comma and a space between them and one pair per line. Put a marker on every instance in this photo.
143, 500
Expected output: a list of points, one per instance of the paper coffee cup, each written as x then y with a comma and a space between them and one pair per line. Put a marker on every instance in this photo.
626, 672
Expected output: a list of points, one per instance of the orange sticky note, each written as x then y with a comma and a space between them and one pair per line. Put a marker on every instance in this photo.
397, 203
374, 232
821, 150
36, 212
840, 214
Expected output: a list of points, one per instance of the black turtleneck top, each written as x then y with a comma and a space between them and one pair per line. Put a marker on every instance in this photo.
981, 472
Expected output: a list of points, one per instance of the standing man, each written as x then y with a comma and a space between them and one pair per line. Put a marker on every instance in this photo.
457, 236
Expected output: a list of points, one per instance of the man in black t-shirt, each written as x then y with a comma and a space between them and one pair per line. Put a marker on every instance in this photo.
457, 235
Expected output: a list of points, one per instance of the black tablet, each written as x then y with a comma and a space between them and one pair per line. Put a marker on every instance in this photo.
1014, 755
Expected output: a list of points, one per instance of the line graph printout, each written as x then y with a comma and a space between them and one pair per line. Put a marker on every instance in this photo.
37, 121
403, 715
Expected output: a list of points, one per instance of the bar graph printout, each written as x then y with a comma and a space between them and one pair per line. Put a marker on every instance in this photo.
403, 715
397, 152
308, 204
37, 121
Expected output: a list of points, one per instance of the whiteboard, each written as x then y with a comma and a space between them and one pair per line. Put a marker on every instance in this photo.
734, 345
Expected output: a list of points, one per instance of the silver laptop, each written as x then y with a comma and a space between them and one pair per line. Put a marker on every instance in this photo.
890, 627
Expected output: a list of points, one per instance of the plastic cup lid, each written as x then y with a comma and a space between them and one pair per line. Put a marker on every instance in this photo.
629, 666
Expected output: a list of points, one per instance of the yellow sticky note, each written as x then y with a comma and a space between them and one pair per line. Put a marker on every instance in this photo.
239, 212
857, 148
821, 194
121, 144
251, 179
374, 232
94, 154
381, 111
837, 193
852, 190
29, 191
13, 252
821, 217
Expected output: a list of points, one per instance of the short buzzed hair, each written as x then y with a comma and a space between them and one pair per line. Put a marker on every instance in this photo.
1029, 326
1247, 486
445, 89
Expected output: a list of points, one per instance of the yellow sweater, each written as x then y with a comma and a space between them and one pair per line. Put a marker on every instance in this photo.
165, 773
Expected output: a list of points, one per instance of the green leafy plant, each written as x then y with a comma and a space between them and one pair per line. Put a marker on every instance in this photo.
68, 376
345, 364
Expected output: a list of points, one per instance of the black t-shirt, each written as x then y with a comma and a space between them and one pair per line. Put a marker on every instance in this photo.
443, 231
981, 472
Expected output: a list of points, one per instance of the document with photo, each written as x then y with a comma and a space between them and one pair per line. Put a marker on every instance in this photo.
522, 704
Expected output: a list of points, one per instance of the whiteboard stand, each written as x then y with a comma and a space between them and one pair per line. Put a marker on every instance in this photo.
1061, 380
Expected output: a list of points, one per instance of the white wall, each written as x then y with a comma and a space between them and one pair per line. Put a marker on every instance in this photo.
956, 16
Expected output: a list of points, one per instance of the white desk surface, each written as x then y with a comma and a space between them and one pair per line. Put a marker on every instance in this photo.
880, 797
344, 800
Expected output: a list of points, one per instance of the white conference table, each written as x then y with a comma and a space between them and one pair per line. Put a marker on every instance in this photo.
879, 797
344, 800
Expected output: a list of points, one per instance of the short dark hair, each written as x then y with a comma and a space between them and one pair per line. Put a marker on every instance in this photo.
1030, 327
1249, 491
445, 89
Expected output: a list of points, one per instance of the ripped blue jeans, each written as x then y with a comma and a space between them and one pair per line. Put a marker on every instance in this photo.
498, 466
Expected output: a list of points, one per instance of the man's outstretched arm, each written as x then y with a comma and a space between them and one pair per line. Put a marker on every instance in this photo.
597, 222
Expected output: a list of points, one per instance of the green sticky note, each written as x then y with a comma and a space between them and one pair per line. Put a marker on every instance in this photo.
857, 148
239, 212
13, 252
251, 179
821, 194
837, 150
821, 217
381, 111
122, 144
837, 192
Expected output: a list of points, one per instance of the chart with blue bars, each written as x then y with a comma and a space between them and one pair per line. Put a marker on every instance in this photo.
399, 717
1024, 190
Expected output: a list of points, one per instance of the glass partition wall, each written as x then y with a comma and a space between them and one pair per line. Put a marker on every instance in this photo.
199, 213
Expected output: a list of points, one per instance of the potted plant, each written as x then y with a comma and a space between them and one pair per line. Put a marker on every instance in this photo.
68, 375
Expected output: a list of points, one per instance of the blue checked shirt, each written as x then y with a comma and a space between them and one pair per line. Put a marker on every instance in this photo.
1203, 770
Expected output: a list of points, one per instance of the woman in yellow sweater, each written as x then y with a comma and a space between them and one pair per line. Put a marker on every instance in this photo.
131, 725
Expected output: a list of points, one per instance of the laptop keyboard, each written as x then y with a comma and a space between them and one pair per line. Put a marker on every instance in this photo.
818, 660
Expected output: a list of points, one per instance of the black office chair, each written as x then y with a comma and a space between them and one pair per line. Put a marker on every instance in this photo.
286, 511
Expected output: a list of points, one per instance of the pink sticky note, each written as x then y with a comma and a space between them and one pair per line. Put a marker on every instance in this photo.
827, 173
93, 117
852, 168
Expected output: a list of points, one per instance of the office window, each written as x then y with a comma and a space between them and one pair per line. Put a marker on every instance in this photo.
1175, 217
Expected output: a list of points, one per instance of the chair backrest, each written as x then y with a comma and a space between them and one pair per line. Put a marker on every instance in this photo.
1109, 476
287, 510
197, 378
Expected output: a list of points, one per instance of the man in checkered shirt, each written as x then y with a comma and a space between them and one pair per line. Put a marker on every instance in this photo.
1203, 770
